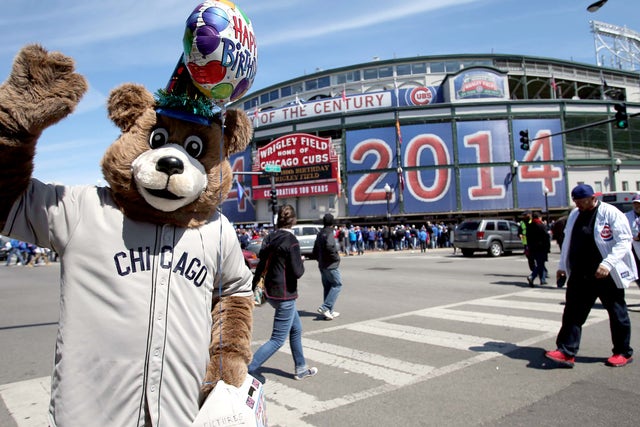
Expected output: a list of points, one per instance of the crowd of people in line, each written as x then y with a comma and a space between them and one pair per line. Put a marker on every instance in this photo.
356, 240
26, 254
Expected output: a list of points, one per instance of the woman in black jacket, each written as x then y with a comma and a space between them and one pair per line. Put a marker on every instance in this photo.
280, 257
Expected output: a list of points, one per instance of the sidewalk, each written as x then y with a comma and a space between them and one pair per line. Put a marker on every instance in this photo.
28, 401
438, 251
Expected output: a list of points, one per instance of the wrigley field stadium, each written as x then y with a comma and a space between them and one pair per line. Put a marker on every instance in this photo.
438, 138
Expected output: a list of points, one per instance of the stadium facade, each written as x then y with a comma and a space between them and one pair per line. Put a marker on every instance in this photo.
437, 137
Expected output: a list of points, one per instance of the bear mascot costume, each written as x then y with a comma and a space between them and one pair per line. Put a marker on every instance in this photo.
155, 298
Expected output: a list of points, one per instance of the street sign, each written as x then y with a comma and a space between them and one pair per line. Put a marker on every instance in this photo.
270, 168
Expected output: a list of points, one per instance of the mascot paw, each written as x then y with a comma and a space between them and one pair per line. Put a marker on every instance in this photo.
234, 372
42, 88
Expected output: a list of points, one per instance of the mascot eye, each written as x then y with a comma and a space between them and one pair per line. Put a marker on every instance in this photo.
158, 137
194, 146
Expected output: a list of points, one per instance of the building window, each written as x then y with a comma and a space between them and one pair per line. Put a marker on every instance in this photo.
324, 81
370, 73
264, 98
589, 143
625, 185
436, 67
332, 202
311, 84
253, 102
273, 95
314, 203
452, 66
351, 76
598, 185
285, 91
385, 71
419, 68
637, 185
403, 70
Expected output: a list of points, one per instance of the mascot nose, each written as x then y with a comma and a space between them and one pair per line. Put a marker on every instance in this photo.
170, 165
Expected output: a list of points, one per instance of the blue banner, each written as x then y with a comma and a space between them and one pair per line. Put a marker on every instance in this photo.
236, 208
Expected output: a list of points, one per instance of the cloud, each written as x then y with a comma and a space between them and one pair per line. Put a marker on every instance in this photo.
375, 14
69, 24
91, 101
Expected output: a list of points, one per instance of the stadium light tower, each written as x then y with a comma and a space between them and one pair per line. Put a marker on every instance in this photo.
616, 46
593, 7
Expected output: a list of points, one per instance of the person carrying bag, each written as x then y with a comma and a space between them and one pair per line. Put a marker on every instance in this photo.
281, 259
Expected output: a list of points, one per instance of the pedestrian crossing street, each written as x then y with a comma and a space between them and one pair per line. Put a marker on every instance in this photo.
508, 321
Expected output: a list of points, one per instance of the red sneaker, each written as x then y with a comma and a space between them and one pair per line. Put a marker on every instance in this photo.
560, 358
618, 360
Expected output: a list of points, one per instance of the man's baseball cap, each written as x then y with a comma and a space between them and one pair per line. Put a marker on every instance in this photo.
582, 191
636, 198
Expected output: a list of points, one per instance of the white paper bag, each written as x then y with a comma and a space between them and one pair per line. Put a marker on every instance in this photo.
230, 406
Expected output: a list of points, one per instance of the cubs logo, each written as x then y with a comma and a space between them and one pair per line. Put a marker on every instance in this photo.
606, 233
421, 96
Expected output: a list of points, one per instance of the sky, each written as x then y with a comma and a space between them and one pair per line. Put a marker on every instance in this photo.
117, 41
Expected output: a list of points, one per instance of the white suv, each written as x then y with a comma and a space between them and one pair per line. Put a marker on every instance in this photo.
306, 234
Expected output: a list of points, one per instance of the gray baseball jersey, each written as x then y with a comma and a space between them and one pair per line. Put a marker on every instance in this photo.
135, 311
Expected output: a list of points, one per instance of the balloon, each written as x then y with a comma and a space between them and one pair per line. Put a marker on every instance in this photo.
220, 50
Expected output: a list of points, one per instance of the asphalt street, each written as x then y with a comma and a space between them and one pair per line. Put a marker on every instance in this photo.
423, 340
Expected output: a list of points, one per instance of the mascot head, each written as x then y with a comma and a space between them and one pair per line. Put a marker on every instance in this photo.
170, 165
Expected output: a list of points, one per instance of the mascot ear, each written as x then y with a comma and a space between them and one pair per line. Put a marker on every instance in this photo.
237, 131
127, 103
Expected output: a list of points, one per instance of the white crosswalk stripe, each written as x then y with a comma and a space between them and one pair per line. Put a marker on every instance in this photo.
388, 370
27, 401
492, 319
423, 335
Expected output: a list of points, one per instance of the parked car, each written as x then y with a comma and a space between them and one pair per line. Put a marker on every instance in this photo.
255, 245
306, 234
491, 235
250, 259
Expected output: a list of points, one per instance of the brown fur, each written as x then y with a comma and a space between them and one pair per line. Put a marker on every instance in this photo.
228, 314
43, 89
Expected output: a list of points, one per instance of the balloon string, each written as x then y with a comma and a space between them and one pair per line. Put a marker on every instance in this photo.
222, 119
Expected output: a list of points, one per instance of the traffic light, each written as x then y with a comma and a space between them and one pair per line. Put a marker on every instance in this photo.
622, 120
274, 198
524, 139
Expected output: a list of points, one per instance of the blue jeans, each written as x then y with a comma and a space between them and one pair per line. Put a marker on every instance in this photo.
18, 254
331, 285
539, 269
286, 322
